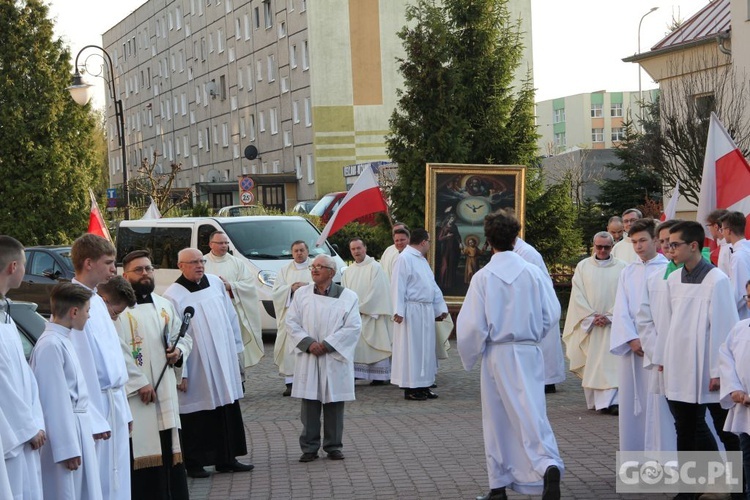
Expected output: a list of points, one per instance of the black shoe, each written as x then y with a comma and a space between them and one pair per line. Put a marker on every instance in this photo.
198, 473
288, 391
614, 410
308, 457
604, 411
494, 494
336, 455
235, 466
550, 389
551, 483
433, 386
429, 394
415, 396
377, 382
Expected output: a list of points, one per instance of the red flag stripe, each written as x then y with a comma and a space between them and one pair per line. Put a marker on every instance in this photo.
732, 179
367, 202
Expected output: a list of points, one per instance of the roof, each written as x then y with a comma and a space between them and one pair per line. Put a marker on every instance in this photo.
712, 20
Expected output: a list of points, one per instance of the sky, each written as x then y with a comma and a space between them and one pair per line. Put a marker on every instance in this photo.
578, 44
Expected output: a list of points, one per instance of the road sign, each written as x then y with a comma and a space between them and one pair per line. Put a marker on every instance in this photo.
246, 184
246, 197
111, 193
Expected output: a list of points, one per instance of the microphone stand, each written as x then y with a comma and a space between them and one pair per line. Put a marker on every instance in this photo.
165, 336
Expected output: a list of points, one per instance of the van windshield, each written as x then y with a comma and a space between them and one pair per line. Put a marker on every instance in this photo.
261, 240
320, 207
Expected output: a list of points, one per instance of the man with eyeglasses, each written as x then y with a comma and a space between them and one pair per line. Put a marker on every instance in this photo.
417, 304
323, 325
400, 234
701, 313
291, 278
100, 354
240, 285
733, 229
623, 249
721, 254
211, 386
588, 325
150, 340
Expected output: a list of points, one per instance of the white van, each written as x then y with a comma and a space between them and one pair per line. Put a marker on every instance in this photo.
262, 241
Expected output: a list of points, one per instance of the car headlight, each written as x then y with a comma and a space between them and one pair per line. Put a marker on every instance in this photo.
268, 278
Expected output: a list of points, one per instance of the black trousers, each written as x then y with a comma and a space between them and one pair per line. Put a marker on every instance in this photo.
166, 482
213, 437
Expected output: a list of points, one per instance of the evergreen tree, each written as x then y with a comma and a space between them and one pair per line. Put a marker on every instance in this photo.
48, 156
638, 182
458, 104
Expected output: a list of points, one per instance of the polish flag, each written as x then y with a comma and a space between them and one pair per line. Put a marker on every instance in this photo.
671, 210
363, 198
97, 225
726, 177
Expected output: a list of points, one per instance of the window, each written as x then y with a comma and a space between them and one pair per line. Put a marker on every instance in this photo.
259, 70
215, 132
284, 84
282, 29
618, 134
267, 14
178, 17
170, 19
242, 127
287, 138
228, 6
249, 77
616, 109
210, 43
303, 6
181, 61
240, 83
261, 121
223, 87
252, 127
271, 68
560, 140
220, 40
246, 22
704, 105
596, 111
183, 98
295, 111
208, 140
305, 56
597, 135
310, 172
203, 48
257, 17
558, 116
225, 134
237, 29
298, 167
308, 112
293, 56
273, 118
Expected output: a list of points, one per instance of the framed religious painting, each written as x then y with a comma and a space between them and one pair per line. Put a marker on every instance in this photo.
458, 199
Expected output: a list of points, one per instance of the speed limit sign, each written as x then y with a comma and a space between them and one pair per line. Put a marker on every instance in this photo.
246, 197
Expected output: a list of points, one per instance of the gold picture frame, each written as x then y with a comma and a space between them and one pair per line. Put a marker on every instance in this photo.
459, 196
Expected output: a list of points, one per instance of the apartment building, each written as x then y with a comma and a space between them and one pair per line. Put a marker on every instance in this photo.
305, 86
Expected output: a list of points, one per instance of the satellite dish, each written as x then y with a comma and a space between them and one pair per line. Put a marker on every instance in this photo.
213, 176
251, 152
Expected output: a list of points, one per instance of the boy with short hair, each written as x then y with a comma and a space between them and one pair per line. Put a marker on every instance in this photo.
69, 464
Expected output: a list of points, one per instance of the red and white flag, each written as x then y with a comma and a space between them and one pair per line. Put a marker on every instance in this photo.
726, 177
363, 198
671, 209
97, 225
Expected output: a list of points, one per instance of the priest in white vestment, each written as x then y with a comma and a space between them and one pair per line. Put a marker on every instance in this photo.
70, 469
290, 278
626, 339
401, 236
552, 351
147, 331
324, 325
212, 426
24, 434
520, 446
623, 249
103, 366
417, 304
5, 430
240, 285
701, 314
588, 324
733, 229
372, 359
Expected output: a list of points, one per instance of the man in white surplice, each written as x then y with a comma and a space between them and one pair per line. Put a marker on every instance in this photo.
372, 359
290, 278
588, 322
552, 352
240, 285
623, 249
100, 354
701, 312
417, 304
323, 323
733, 229
626, 339
147, 331
400, 234
212, 426
24, 433
721, 254
520, 446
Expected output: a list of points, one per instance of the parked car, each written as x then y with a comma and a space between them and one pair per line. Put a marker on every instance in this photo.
45, 267
328, 205
304, 207
29, 323
240, 210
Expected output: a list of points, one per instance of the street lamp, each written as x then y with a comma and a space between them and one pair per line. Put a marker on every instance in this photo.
640, 92
81, 93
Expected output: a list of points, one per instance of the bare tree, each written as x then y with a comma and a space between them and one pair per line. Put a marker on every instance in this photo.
574, 168
153, 183
677, 146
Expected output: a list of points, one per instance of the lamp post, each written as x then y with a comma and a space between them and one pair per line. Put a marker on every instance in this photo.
81, 93
640, 91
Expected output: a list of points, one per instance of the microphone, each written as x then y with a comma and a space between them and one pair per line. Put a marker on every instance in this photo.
187, 315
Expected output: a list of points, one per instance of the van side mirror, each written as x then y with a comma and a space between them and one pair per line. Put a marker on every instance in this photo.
335, 247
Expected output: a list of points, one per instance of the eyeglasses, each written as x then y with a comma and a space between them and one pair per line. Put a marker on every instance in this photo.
194, 262
141, 269
318, 267
219, 242
602, 247
674, 245
746, 297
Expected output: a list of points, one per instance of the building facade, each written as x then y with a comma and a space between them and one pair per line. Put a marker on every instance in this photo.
586, 121
310, 85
